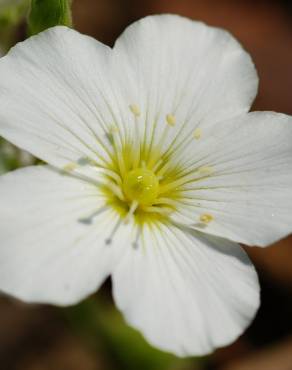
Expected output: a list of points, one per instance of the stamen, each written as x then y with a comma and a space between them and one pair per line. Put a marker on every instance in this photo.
114, 131
109, 240
167, 201
135, 110
206, 169
116, 190
164, 169
206, 218
134, 205
170, 119
86, 161
88, 220
163, 211
136, 144
197, 133
154, 159
69, 167
110, 173
158, 163
176, 183
135, 242
190, 177
177, 148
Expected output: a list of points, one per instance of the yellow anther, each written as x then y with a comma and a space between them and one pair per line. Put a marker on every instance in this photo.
135, 110
70, 167
197, 133
206, 170
170, 119
113, 129
206, 218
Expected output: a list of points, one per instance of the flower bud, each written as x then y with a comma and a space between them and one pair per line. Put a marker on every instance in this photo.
49, 13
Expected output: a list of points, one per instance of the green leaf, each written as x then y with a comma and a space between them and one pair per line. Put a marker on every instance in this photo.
49, 13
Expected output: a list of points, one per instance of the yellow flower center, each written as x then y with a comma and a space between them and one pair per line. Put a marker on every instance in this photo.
141, 185
142, 178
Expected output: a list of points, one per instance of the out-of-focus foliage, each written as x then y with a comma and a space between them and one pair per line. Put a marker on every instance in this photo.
12, 158
48, 13
12, 13
98, 321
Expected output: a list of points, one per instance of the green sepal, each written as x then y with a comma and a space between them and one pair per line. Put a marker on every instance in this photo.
48, 13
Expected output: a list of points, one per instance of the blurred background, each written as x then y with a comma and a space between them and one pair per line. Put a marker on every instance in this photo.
93, 335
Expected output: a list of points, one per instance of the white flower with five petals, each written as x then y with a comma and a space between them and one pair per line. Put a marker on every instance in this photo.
155, 172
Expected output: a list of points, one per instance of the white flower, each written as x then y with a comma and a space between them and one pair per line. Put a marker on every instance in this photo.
154, 163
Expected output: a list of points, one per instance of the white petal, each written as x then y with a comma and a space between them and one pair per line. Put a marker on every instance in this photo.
52, 234
172, 65
186, 292
56, 98
249, 192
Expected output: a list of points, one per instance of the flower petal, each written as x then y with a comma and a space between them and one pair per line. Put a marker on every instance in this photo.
249, 190
56, 98
53, 230
188, 293
170, 65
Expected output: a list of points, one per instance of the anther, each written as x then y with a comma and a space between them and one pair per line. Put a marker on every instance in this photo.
70, 167
206, 218
197, 133
170, 119
85, 161
109, 240
206, 170
88, 220
113, 129
135, 243
135, 110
